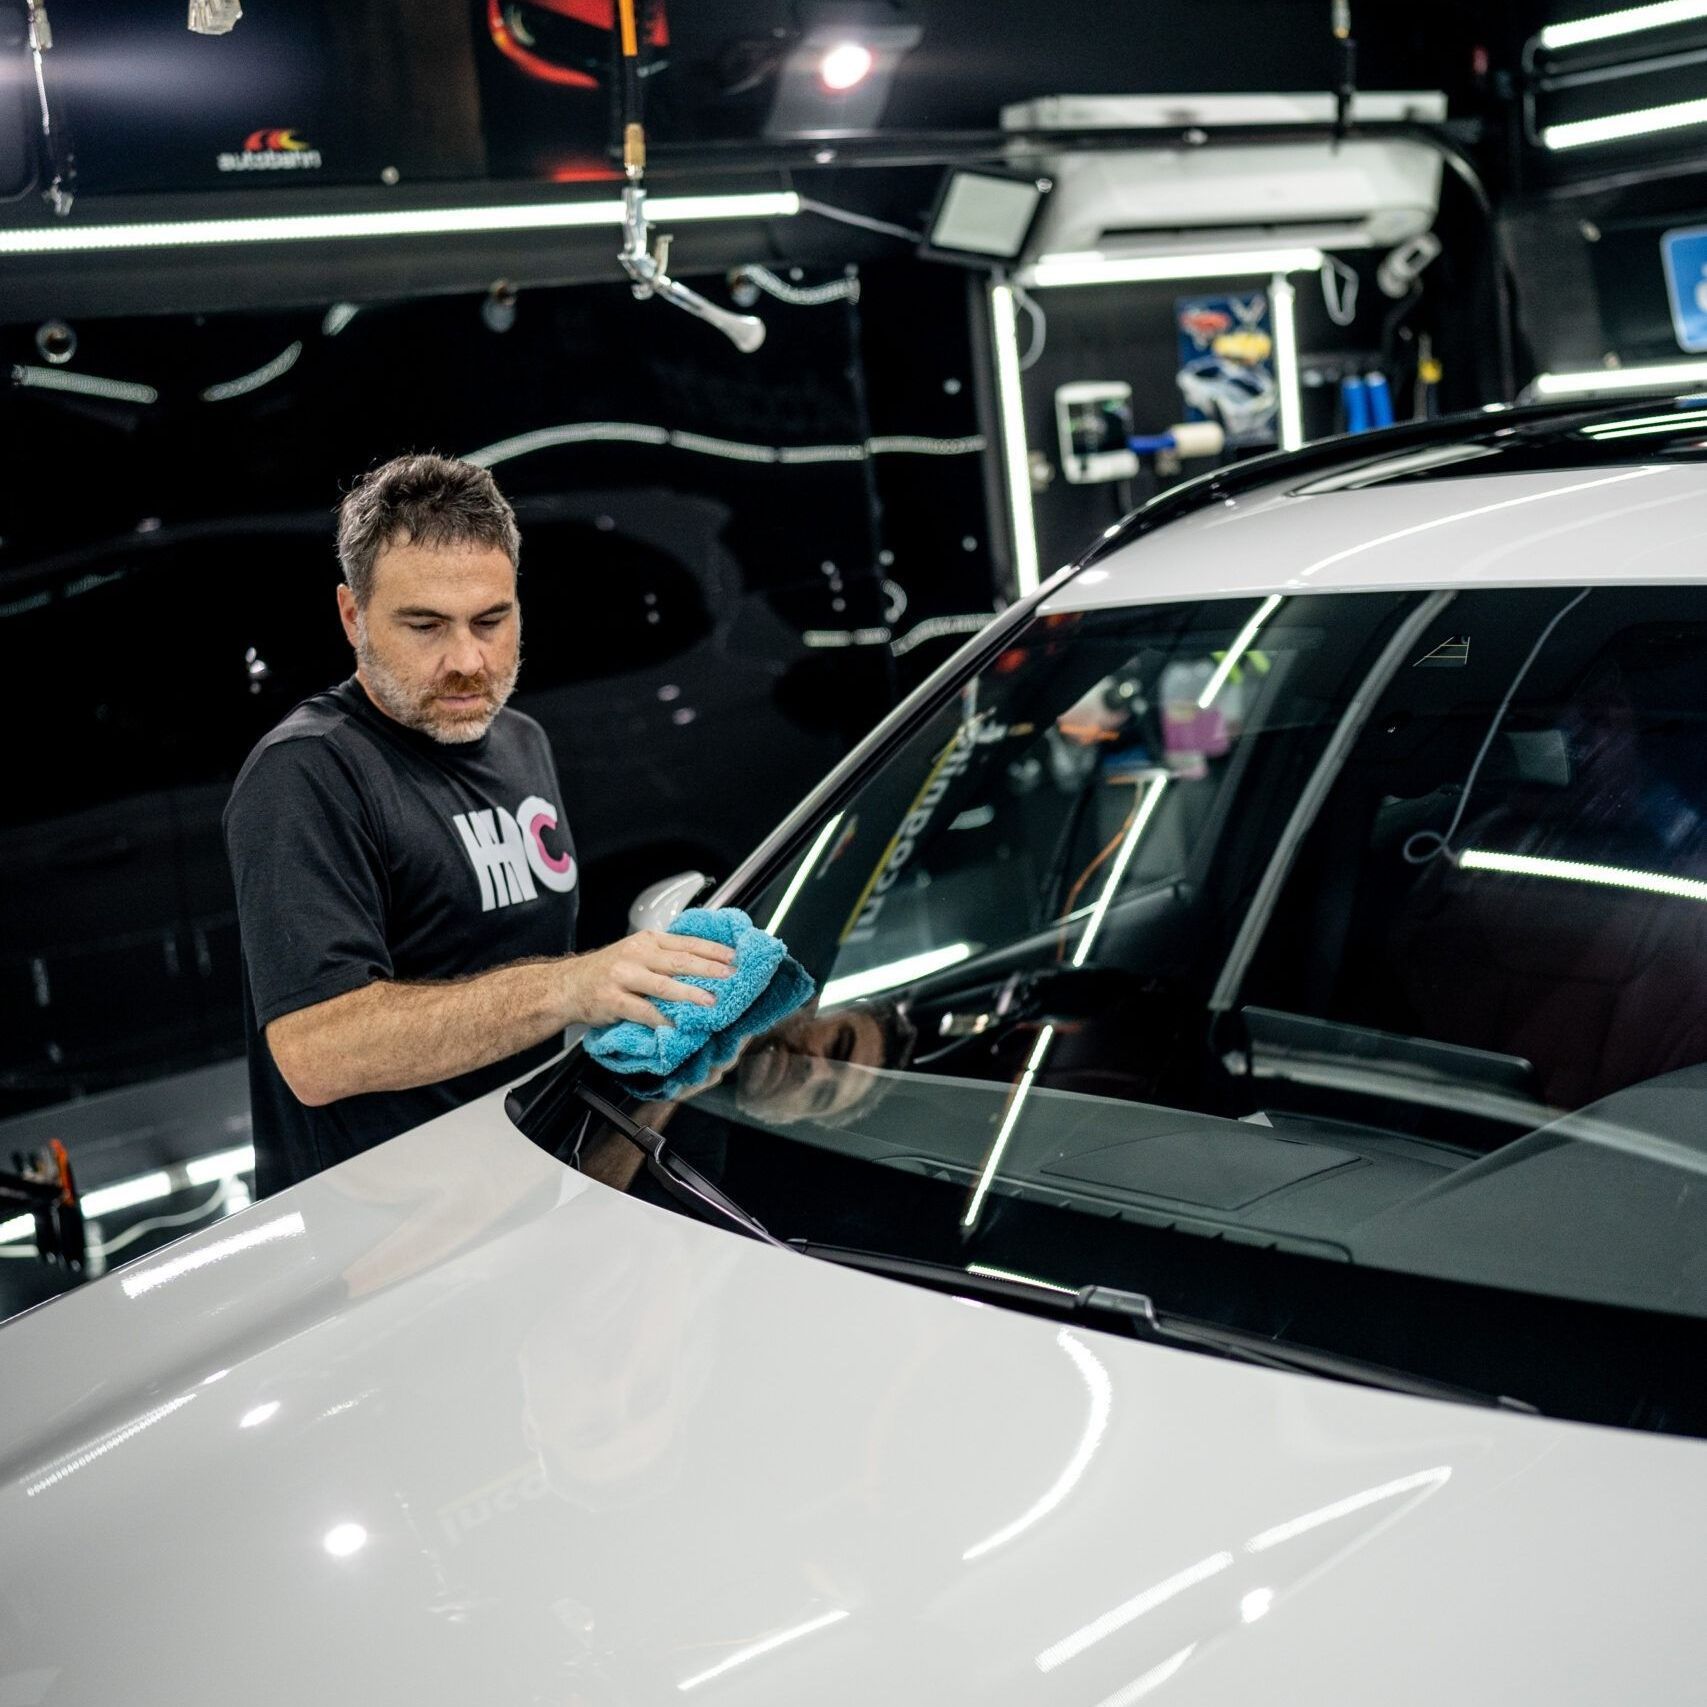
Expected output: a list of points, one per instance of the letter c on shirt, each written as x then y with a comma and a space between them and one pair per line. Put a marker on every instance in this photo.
555, 871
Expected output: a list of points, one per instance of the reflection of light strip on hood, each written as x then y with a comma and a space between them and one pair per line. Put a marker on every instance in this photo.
104, 1444
1674, 417
1344, 1508
1230, 662
798, 881
992, 1273
1334, 557
139, 1281
1139, 1687
1070, 1647
1575, 871
1647, 428
1021, 1091
145, 1188
1140, 820
223, 1164
411, 222
126, 1194
1096, 1423
1625, 21
897, 972
767, 1645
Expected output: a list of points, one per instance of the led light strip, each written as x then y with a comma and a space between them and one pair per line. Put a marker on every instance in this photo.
1284, 299
1613, 127
1576, 871
1644, 424
798, 881
146, 1188
1016, 463
1621, 23
1588, 382
1093, 267
409, 222
1230, 661
858, 984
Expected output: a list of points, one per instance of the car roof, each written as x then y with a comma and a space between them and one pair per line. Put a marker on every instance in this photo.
1550, 498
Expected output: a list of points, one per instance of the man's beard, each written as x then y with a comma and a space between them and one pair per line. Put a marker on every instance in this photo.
418, 708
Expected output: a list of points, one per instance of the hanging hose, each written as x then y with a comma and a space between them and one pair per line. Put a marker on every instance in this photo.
646, 262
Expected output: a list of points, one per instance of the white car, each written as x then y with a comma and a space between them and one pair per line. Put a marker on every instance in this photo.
1233, 1229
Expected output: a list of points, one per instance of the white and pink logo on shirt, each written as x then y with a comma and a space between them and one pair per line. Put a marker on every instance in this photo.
508, 852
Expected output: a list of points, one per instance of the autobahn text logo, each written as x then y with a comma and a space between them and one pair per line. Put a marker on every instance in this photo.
271, 151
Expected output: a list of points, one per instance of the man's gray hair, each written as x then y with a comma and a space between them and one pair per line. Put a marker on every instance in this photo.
421, 500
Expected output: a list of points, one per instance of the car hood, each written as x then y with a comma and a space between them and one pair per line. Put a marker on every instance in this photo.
453, 1424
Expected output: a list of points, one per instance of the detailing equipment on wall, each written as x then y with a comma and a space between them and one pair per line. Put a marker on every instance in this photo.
645, 260
1094, 420
1176, 208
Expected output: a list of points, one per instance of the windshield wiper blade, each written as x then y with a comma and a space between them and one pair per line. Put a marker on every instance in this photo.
1138, 1313
1247, 1347
678, 1176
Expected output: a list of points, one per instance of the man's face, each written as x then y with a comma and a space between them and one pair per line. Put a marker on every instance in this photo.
439, 642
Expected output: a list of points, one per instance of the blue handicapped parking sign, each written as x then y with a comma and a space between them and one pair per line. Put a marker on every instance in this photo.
1684, 253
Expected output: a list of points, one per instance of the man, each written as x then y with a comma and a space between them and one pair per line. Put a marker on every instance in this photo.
406, 883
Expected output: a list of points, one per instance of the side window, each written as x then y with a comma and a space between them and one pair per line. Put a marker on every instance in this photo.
1513, 861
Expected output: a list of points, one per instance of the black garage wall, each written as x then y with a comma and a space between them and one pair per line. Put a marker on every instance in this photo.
705, 633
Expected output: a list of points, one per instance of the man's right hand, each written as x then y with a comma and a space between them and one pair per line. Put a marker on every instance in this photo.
622, 981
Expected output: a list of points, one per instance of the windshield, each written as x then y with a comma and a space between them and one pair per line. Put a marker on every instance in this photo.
1364, 929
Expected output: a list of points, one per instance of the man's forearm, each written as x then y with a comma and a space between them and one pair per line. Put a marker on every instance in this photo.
395, 1036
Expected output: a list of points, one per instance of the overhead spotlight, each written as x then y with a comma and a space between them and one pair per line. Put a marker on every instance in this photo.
847, 64
837, 73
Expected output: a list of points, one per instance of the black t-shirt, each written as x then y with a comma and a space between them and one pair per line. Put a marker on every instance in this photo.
362, 849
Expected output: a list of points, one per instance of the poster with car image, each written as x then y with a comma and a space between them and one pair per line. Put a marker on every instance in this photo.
1226, 365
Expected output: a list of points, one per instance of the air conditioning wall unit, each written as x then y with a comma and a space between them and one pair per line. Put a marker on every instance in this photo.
1359, 193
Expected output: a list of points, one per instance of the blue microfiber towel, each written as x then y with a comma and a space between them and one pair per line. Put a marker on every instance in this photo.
766, 985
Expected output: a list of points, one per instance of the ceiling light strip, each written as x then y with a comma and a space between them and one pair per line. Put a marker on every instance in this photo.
1615, 127
1627, 21
404, 222
1578, 871
1590, 381
1095, 268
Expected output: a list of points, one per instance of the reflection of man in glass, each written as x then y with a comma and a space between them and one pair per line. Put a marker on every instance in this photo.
821, 1066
